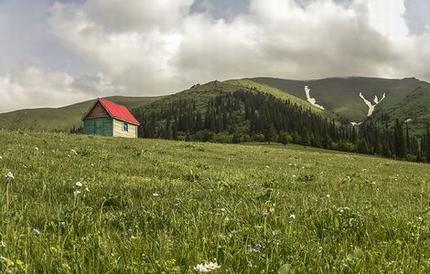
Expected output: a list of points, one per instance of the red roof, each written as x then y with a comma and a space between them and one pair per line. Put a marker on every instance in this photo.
119, 112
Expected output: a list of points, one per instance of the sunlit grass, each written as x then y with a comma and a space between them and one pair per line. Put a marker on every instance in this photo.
101, 205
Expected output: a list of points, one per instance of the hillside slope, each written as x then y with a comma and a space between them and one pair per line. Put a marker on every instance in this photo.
65, 118
415, 108
153, 206
60, 119
202, 93
404, 99
250, 84
341, 95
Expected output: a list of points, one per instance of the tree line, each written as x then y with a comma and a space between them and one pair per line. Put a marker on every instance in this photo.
249, 116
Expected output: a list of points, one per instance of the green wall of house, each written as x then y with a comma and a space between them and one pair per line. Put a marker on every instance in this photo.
98, 126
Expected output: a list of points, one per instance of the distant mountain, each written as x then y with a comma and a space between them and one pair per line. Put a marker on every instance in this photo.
202, 93
66, 118
342, 95
321, 113
413, 109
343, 99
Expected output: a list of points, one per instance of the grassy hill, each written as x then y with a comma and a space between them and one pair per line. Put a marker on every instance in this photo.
405, 98
65, 118
153, 206
60, 119
202, 93
416, 106
250, 84
341, 95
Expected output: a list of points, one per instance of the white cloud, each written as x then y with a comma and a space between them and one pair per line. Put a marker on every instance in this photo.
165, 49
134, 57
387, 17
36, 87
158, 47
118, 15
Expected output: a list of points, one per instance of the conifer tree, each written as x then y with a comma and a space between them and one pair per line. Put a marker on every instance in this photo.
250, 115
427, 143
399, 140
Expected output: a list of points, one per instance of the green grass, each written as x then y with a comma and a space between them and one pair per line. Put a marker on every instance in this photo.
250, 84
160, 206
416, 106
200, 94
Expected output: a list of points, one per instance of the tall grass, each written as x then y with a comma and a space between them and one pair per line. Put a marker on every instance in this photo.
100, 205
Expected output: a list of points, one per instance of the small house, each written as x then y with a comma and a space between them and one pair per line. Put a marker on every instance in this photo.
106, 118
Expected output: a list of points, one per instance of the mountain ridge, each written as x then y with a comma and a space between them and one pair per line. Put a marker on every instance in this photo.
339, 96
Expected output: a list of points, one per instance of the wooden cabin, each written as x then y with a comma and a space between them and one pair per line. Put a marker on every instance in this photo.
109, 119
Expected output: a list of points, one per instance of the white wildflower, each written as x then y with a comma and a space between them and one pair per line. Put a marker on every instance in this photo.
2, 244
155, 194
256, 248
206, 268
200, 268
74, 152
292, 216
36, 148
76, 192
328, 196
36, 232
1, 158
78, 184
9, 176
373, 183
87, 189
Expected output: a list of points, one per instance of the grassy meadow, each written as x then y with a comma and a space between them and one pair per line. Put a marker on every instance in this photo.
78, 204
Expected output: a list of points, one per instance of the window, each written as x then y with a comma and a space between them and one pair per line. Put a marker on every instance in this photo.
126, 127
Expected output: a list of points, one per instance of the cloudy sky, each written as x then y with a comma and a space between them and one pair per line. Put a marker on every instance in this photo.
57, 52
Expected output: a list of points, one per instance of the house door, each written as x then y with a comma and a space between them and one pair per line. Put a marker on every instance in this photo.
99, 127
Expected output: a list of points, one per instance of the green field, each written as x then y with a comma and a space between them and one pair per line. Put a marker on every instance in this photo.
152, 206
